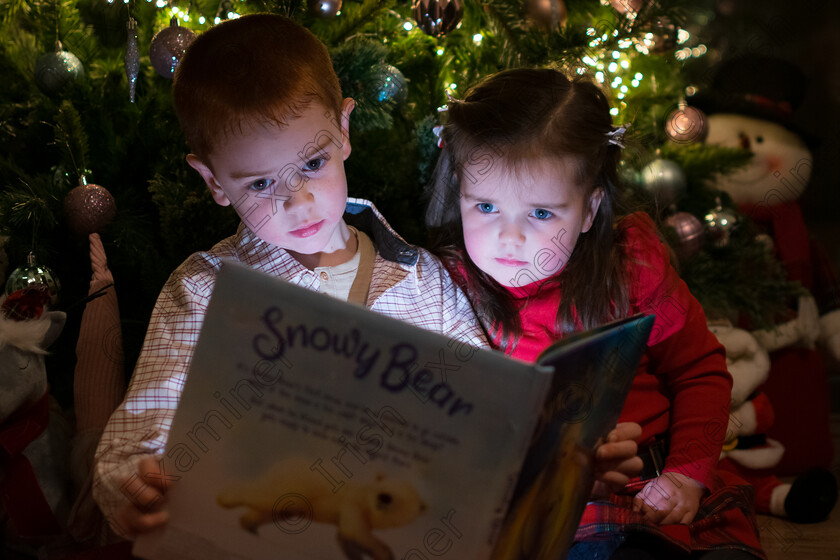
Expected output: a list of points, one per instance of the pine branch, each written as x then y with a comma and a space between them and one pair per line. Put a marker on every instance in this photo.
353, 19
359, 65
70, 135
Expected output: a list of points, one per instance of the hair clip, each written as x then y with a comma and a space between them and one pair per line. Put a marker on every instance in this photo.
438, 130
616, 135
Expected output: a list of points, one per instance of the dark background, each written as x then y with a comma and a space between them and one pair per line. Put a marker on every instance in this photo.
805, 33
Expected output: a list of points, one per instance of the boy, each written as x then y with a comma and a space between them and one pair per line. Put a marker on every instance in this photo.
261, 108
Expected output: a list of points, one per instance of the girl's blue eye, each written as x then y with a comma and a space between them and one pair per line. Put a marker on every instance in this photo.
541, 214
486, 208
261, 185
315, 164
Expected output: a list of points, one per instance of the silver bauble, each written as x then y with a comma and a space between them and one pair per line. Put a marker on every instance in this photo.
665, 180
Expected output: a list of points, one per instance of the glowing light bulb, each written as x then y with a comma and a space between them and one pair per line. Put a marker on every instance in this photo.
408, 26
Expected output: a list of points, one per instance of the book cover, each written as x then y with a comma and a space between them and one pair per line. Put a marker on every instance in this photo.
311, 428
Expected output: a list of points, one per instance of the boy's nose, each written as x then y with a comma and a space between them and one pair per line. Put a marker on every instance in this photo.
299, 196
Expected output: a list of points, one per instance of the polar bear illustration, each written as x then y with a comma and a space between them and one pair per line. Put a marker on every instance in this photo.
291, 495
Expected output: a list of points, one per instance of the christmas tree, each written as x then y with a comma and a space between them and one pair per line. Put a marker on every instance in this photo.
86, 110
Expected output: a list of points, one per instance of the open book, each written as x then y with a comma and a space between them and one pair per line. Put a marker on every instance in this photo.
310, 428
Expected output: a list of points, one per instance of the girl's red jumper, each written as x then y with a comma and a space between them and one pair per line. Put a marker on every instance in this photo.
681, 391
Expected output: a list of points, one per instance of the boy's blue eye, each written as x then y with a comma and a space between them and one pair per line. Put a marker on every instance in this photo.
486, 207
261, 185
315, 164
541, 214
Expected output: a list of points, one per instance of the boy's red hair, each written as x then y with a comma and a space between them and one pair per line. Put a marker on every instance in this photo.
257, 68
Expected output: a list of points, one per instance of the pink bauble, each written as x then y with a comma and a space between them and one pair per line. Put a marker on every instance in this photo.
89, 208
690, 233
168, 46
686, 125
627, 6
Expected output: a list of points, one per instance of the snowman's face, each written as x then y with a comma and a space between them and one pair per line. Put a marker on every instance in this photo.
780, 168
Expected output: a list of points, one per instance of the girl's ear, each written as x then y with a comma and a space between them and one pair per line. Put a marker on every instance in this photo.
209, 179
347, 107
591, 209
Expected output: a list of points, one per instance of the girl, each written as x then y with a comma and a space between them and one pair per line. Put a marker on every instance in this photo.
525, 213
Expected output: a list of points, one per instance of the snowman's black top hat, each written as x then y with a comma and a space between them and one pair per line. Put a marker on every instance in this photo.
758, 86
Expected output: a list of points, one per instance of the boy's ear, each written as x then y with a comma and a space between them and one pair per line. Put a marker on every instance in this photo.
347, 107
591, 209
209, 179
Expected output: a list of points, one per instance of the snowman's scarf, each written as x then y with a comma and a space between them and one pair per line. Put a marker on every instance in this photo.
20, 493
790, 236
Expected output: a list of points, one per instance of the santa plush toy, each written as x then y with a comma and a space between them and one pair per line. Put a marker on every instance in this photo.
751, 105
46, 475
34, 435
748, 452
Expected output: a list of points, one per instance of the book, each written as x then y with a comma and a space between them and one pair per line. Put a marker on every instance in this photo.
311, 428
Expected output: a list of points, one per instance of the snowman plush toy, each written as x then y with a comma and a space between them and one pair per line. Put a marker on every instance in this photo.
751, 105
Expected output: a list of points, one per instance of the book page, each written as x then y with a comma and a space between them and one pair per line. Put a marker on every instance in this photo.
311, 428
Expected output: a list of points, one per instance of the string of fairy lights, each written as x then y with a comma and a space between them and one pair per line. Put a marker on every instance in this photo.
610, 57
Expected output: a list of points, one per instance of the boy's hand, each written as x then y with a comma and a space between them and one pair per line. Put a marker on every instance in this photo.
146, 494
616, 461
670, 498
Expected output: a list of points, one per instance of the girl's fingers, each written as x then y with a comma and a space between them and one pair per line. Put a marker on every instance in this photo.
625, 430
617, 450
615, 480
688, 517
674, 516
637, 504
630, 467
653, 513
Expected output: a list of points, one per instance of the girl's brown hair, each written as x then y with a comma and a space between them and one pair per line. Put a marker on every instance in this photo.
512, 118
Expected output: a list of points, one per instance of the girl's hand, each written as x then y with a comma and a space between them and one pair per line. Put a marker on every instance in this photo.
616, 461
670, 498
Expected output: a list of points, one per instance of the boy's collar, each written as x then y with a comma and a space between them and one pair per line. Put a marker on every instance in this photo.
362, 215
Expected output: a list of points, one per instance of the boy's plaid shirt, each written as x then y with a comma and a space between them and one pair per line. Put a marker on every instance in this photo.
407, 283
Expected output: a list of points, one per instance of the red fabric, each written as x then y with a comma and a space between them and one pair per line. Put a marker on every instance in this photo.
21, 496
763, 481
764, 416
798, 388
684, 362
26, 303
797, 385
790, 236
726, 519
682, 388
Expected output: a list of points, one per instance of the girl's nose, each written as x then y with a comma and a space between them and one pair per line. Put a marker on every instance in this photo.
511, 234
